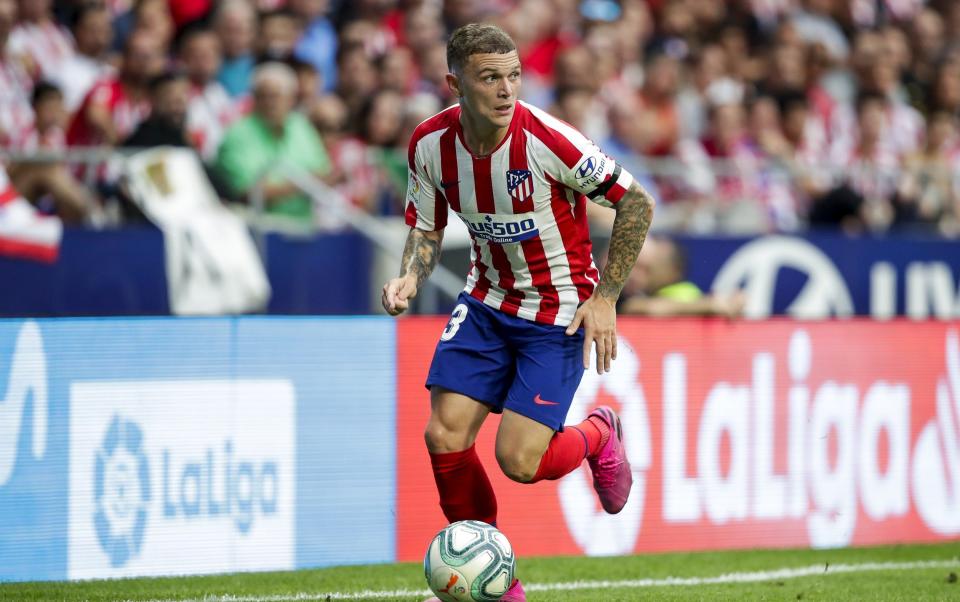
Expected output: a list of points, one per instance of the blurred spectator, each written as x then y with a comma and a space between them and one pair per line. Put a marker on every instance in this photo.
309, 83
373, 23
155, 18
273, 134
870, 172
928, 195
945, 95
815, 23
352, 173
927, 38
168, 124
115, 106
211, 110
658, 114
575, 82
433, 73
417, 108
867, 13
658, 287
93, 32
735, 202
48, 131
903, 129
788, 69
573, 69
709, 66
279, 31
796, 141
40, 38
15, 83
318, 44
358, 79
381, 123
573, 106
744, 65
625, 140
235, 23
461, 12
398, 72
43, 182
423, 29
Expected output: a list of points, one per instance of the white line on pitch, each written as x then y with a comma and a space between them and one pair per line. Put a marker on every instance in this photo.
747, 577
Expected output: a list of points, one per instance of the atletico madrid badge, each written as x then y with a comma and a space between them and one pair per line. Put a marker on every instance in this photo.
520, 185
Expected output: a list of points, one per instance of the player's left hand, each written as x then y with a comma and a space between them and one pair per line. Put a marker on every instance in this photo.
598, 315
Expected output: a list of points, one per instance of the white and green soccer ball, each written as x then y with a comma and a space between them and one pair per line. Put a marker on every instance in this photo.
469, 561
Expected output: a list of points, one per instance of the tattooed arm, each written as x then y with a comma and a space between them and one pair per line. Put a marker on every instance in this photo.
420, 256
598, 314
634, 214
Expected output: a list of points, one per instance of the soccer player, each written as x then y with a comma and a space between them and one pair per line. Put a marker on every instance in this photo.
534, 306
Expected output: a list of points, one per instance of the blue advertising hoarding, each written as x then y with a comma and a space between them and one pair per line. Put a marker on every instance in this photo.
827, 275
123, 272
158, 446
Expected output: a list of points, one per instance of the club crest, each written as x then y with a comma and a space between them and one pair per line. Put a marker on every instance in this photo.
520, 184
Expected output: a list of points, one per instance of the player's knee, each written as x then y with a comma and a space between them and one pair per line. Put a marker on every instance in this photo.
517, 465
442, 439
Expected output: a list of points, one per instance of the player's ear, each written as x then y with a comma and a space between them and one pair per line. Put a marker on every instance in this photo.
453, 82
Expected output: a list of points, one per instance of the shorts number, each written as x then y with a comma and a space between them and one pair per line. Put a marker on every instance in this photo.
456, 319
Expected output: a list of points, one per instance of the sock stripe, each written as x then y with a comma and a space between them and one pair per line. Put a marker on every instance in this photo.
586, 444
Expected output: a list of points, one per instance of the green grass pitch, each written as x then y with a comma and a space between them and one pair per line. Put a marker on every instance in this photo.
908, 573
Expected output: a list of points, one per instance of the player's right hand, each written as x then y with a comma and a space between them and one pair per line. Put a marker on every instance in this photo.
397, 294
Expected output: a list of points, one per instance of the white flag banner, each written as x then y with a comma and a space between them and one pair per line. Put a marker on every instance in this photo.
212, 263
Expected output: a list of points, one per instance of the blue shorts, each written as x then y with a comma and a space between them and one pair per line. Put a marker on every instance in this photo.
507, 362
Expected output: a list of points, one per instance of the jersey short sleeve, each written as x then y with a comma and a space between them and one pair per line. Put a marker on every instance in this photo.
425, 208
595, 174
578, 163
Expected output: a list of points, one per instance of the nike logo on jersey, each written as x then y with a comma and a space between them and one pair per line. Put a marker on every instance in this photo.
543, 402
446, 185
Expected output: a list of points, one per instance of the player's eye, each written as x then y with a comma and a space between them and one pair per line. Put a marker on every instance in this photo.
490, 79
515, 75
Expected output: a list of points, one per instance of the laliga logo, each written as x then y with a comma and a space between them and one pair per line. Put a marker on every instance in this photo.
936, 457
28, 373
754, 268
595, 531
121, 491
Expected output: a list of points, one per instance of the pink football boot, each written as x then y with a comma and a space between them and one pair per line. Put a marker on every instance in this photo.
515, 593
612, 477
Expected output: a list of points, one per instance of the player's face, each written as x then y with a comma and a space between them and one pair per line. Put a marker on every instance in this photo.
489, 87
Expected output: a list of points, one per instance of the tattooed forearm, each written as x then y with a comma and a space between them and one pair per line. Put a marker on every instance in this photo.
421, 254
634, 213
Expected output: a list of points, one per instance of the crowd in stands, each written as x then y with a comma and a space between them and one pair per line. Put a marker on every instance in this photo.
739, 115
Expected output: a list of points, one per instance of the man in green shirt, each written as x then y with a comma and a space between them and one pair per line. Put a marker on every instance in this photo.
658, 286
273, 134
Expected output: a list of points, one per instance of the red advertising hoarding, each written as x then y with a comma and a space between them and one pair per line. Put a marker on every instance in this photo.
740, 434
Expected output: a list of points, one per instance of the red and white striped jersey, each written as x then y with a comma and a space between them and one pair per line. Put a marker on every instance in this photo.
16, 114
524, 205
126, 111
210, 113
48, 45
